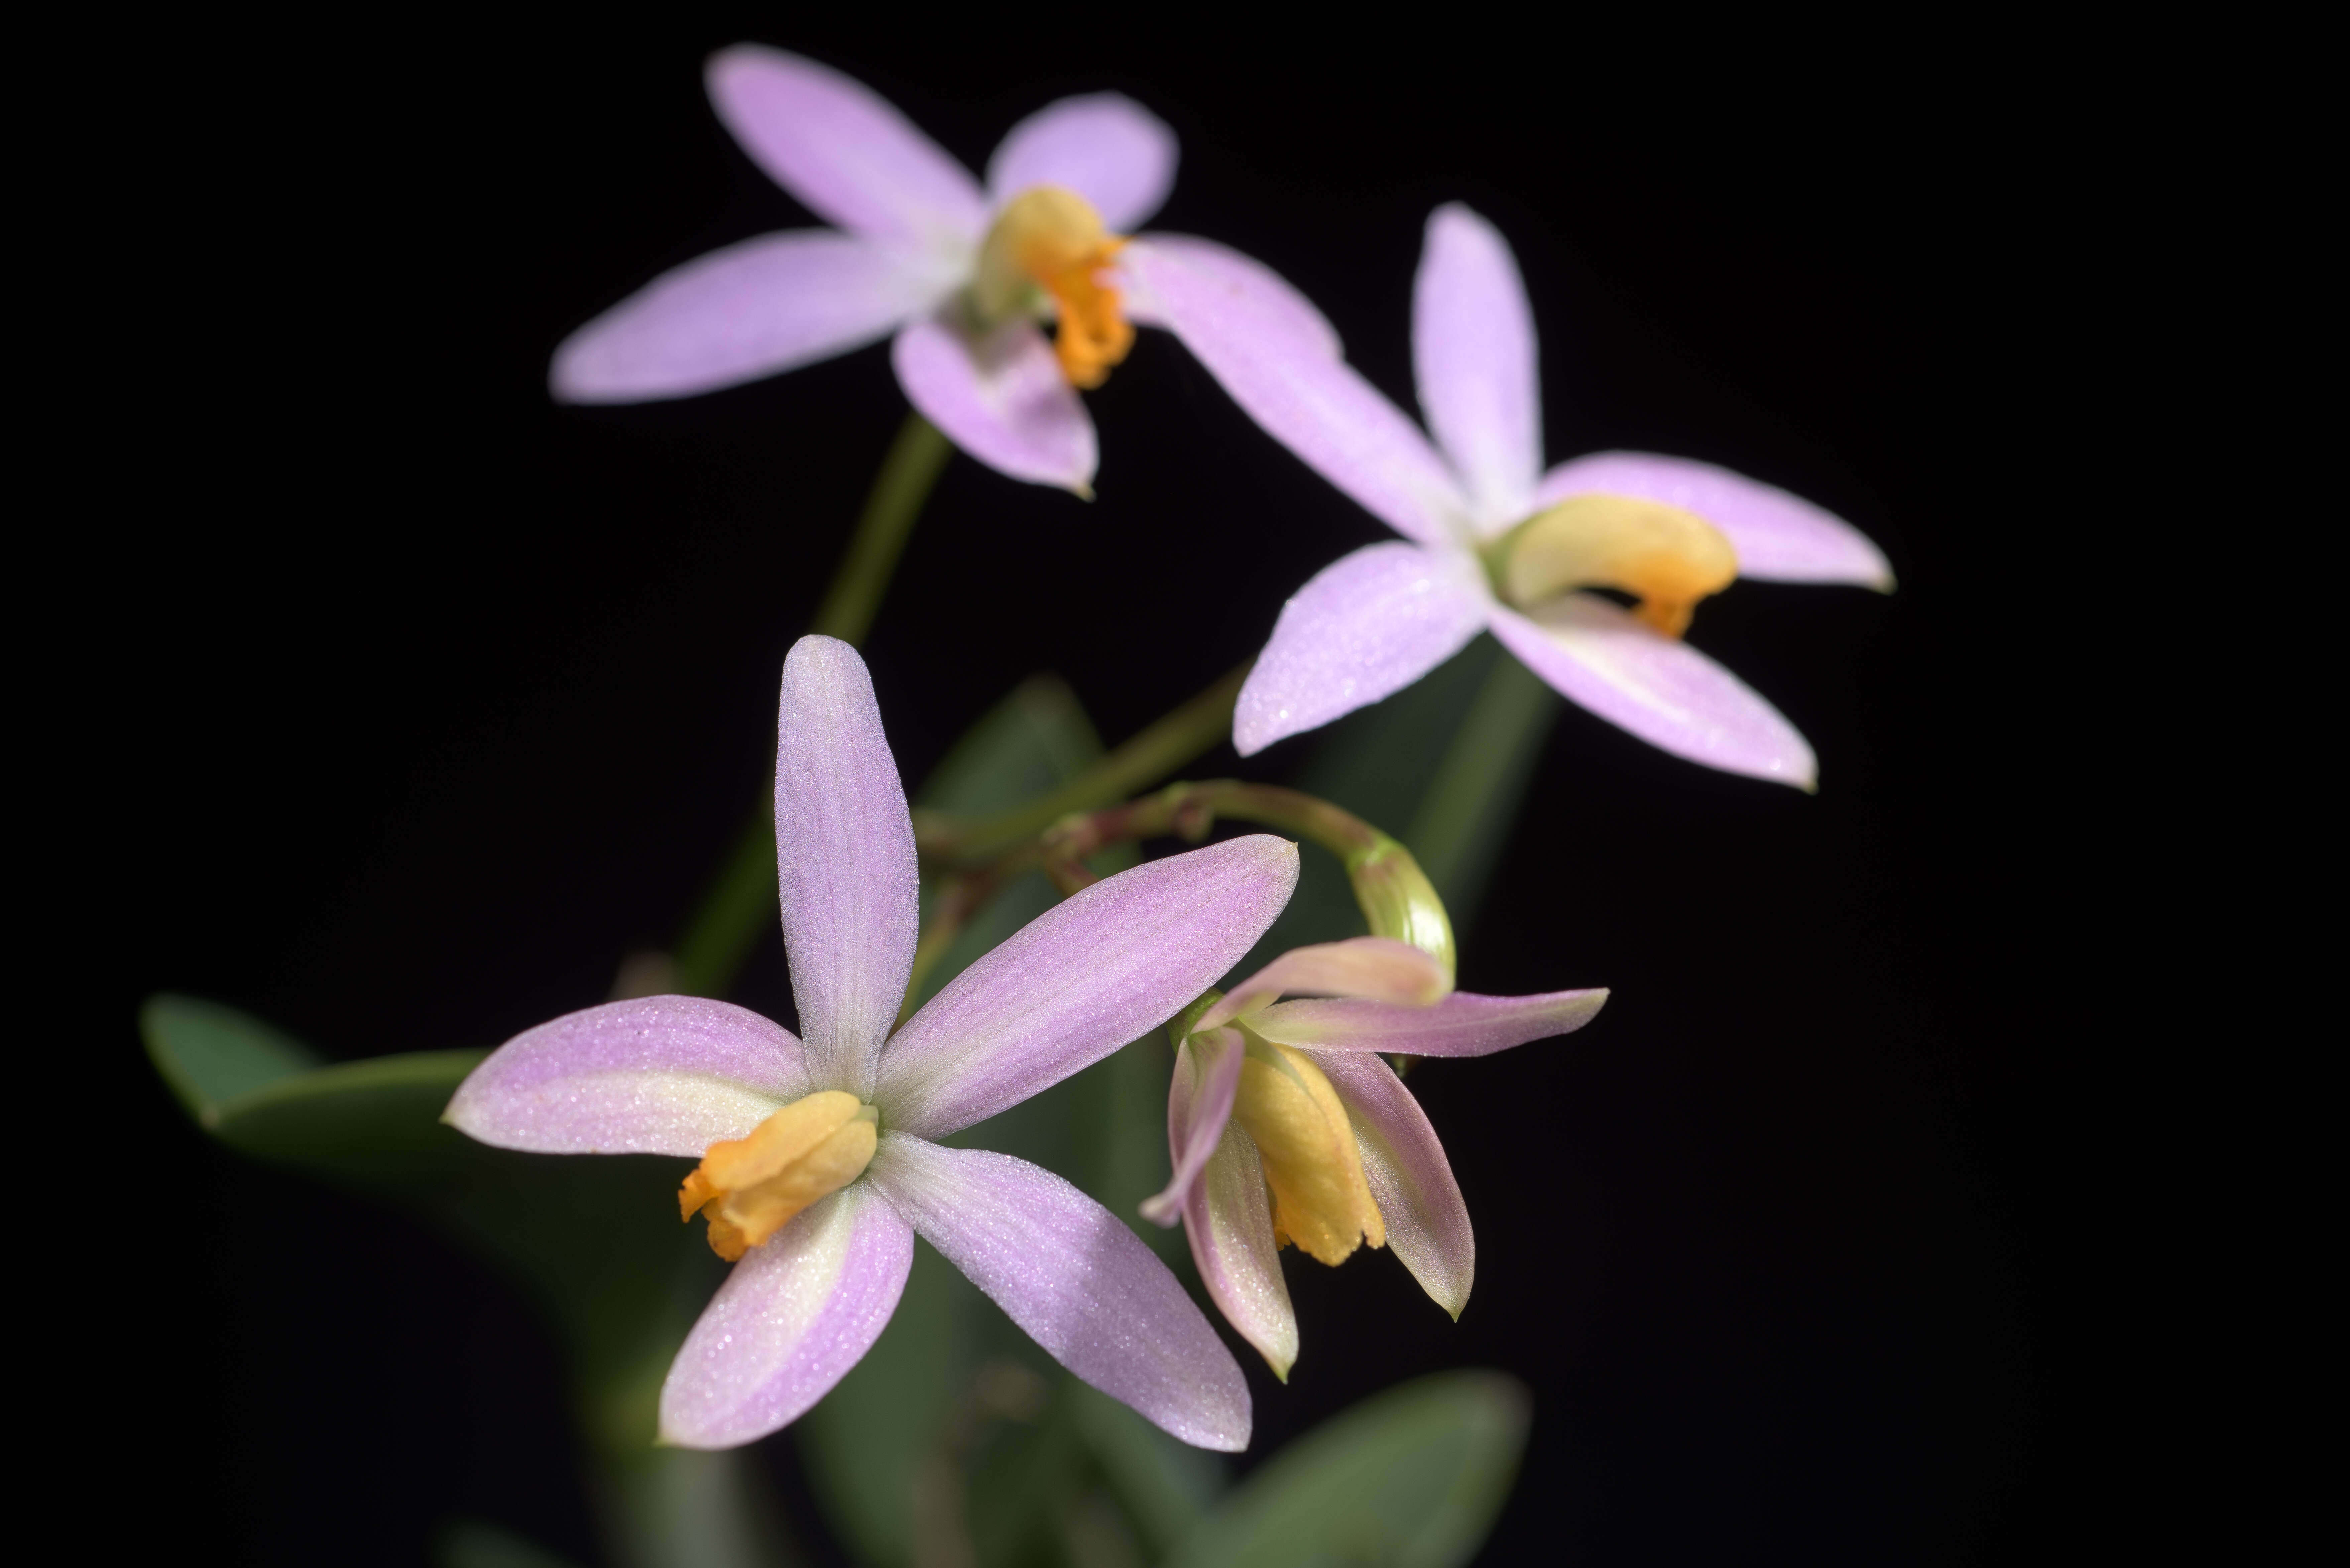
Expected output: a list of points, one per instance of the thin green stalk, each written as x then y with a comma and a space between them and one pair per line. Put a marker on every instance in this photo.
739, 906
909, 470
1182, 735
1473, 802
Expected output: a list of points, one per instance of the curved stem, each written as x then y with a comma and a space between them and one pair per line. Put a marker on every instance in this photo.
739, 905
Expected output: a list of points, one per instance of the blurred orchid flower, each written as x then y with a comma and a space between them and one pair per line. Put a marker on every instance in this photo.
1494, 541
1285, 1126
961, 274
819, 1159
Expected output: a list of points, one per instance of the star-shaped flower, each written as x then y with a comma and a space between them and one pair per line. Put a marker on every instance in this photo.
1494, 542
962, 274
819, 1155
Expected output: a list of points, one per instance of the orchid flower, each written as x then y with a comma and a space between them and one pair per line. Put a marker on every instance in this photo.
819, 1155
1493, 541
1287, 1127
963, 275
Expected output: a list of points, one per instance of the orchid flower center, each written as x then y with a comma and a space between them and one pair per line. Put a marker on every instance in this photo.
1049, 245
1321, 1203
1665, 557
749, 1187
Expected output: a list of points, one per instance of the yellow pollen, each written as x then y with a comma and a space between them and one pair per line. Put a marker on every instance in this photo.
750, 1188
1050, 239
1321, 1204
1666, 557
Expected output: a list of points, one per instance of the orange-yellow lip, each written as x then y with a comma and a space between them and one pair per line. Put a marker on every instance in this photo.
1050, 240
1666, 557
750, 1188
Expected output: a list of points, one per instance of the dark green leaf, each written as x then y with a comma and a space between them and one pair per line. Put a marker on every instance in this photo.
210, 1054
477, 1543
1409, 1479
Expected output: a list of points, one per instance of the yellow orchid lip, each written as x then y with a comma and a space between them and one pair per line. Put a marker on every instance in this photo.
1049, 243
750, 1188
1322, 1204
1666, 557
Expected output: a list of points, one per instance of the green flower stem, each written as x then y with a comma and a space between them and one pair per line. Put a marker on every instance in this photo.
1472, 802
909, 472
739, 905
1397, 899
1182, 735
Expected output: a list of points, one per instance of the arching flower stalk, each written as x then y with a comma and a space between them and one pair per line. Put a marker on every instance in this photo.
820, 1158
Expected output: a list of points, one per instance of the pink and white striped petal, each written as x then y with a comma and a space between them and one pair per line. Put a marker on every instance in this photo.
661, 1075
1657, 687
1069, 1273
1380, 968
1199, 1102
1462, 1024
1103, 967
1104, 146
1312, 403
1228, 1221
1001, 397
1363, 627
846, 151
1780, 537
1473, 354
744, 312
844, 855
788, 1323
1410, 1179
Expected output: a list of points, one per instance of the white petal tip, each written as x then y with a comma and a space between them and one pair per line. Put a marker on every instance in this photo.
1161, 1210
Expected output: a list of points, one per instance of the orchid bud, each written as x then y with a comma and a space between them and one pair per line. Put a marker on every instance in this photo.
1399, 901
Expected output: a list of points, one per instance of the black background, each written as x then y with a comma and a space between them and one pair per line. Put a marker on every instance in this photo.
439, 698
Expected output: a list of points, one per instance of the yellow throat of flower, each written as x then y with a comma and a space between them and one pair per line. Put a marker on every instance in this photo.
1321, 1204
1665, 557
1052, 240
749, 1187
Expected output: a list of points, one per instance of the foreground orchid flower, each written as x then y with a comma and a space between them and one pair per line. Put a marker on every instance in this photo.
963, 276
1285, 1125
1495, 542
820, 1158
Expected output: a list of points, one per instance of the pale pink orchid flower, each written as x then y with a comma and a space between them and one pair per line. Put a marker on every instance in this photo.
960, 273
1286, 1125
1491, 540
820, 1159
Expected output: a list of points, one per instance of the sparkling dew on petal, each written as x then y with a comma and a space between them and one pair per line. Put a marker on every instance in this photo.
1052, 240
750, 1188
1321, 1201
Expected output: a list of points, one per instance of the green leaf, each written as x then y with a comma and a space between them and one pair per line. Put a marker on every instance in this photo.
477, 1543
1412, 1478
210, 1054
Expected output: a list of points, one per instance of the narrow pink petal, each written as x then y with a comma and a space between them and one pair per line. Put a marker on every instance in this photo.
1462, 1024
1002, 398
1069, 1271
1199, 1102
1363, 628
845, 852
1104, 146
661, 1075
1472, 351
1411, 1181
1218, 279
750, 310
1093, 972
1229, 1223
844, 150
1314, 404
1376, 966
788, 1323
1658, 688
1780, 537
